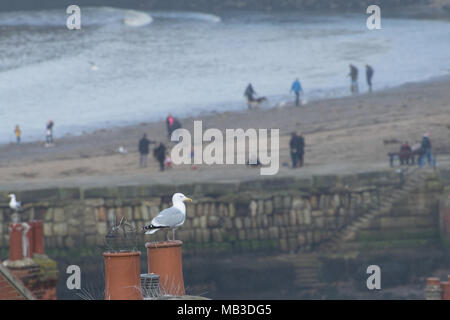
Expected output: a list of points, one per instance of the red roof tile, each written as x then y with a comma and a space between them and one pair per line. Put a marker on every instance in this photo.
11, 288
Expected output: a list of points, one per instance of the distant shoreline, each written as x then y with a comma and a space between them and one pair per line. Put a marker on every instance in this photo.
343, 135
212, 113
396, 9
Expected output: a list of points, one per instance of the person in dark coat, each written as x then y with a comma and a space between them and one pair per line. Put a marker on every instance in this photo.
49, 132
172, 125
249, 94
297, 146
176, 125
144, 148
169, 123
369, 75
160, 154
354, 79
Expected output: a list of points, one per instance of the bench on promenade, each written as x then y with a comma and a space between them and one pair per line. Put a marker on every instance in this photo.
414, 156
411, 160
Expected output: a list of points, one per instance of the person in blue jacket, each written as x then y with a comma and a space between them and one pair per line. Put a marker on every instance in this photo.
426, 152
297, 88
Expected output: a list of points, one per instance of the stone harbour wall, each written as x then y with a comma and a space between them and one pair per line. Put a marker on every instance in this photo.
283, 214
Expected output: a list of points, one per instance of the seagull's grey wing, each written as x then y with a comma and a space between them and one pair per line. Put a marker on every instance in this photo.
169, 217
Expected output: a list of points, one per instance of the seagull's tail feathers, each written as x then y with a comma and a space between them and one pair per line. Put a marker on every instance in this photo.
151, 229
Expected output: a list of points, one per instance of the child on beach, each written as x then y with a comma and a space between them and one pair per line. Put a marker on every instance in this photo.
18, 134
49, 133
168, 161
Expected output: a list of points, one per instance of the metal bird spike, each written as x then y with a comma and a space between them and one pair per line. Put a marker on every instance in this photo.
122, 237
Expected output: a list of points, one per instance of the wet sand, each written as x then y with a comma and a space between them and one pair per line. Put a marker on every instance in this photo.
343, 135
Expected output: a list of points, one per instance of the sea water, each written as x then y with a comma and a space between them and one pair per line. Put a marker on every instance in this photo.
126, 67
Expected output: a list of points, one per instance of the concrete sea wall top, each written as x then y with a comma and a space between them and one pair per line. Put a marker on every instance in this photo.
315, 184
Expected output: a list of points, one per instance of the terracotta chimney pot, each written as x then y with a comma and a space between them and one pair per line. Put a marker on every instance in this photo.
15, 242
38, 237
433, 281
445, 286
165, 260
123, 276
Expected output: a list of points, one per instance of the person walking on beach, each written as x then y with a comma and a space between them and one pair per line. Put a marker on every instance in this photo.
297, 146
426, 152
160, 155
249, 94
297, 88
369, 75
49, 132
354, 79
144, 144
18, 133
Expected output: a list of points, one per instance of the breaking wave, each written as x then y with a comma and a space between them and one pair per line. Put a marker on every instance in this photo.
178, 15
90, 16
99, 16
137, 18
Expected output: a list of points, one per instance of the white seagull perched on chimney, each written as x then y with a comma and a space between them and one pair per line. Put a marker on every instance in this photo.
170, 218
13, 203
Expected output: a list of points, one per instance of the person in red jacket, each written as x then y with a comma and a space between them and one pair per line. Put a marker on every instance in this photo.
405, 153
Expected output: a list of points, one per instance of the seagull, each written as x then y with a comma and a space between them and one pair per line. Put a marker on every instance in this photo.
170, 218
93, 66
13, 204
122, 150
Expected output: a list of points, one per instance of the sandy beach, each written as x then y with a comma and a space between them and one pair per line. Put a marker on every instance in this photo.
343, 135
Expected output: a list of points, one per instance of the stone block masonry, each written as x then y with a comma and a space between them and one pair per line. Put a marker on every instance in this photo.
284, 214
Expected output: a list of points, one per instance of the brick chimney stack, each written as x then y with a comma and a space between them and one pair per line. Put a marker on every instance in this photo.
28, 262
15, 242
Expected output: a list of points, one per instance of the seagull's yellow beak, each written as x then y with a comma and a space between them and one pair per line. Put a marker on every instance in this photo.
9, 196
188, 199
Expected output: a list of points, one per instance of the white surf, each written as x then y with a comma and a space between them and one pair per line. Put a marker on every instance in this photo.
137, 18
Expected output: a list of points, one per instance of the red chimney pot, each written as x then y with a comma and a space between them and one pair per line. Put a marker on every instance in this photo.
165, 260
15, 242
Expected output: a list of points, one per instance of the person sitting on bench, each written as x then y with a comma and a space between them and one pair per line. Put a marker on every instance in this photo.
405, 154
416, 151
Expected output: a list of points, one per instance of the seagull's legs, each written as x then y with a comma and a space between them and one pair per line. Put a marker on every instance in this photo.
173, 234
168, 239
